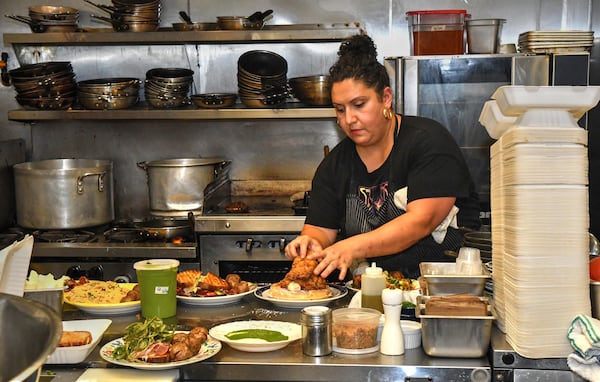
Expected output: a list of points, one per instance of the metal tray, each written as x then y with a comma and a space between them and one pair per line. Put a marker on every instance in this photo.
455, 336
441, 280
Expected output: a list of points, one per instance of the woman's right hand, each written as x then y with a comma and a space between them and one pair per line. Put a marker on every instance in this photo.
301, 246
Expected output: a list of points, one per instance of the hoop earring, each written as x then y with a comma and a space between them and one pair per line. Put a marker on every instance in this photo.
387, 114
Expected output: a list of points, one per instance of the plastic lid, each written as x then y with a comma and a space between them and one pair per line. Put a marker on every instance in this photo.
438, 12
373, 270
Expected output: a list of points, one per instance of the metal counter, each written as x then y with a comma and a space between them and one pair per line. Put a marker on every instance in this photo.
288, 364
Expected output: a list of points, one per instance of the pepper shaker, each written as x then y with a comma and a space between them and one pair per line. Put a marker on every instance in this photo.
316, 331
392, 338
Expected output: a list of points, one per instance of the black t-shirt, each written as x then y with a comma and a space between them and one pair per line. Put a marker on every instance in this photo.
425, 159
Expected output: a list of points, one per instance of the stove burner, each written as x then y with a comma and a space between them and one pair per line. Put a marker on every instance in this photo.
124, 235
64, 236
7, 239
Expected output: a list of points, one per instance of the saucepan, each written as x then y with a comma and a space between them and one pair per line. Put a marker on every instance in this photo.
167, 229
189, 25
254, 21
38, 27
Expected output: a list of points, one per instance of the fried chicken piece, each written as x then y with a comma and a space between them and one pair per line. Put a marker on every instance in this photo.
302, 274
233, 279
213, 282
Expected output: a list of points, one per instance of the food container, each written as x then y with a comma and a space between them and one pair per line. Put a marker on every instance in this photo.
455, 336
483, 35
411, 331
77, 354
355, 330
53, 297
441, 279
437, 31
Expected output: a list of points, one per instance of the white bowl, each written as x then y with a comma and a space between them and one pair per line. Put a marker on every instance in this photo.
411, 331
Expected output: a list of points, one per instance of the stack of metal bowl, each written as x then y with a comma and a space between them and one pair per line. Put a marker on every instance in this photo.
108, 93
167, 88
45, 86
262, 79
312, 90
132, 15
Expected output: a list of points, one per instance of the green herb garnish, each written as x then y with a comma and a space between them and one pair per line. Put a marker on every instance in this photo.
140, 335
263, 334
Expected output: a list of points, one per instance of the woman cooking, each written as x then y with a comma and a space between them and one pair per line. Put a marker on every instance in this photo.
394, 191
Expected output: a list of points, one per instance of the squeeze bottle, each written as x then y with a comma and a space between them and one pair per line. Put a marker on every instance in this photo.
392, 339
372, 283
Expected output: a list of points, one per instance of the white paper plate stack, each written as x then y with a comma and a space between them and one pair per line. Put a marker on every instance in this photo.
540, 218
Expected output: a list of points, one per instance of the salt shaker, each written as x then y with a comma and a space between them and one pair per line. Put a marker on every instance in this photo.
316, 331
392, 339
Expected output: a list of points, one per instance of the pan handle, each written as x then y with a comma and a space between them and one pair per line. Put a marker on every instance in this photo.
143, 165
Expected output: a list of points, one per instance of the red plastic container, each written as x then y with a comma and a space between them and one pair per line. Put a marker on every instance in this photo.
437, 31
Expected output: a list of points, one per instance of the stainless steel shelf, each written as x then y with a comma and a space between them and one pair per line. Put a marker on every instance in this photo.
270, 33
289, 111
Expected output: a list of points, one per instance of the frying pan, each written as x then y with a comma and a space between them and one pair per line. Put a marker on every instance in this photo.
167, 229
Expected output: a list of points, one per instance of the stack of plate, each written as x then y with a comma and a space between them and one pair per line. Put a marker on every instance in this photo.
262, 79
167, 88
540, 217
556, 41
108, 93
46, 86
54, 19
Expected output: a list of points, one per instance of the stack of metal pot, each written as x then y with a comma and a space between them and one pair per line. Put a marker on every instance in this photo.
108, 93
132, 15
168, 87
262, 79
46, 86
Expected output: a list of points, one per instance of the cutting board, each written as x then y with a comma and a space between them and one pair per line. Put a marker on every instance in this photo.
128, 375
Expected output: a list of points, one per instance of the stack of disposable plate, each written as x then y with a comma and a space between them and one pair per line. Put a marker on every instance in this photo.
540, 217
556, 41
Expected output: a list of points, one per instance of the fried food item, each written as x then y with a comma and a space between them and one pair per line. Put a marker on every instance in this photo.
302, 274
188, 278
75, 338
133, 295
213, 282
300, 283
233, 279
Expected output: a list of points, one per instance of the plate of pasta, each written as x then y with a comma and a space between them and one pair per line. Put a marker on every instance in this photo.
104, 297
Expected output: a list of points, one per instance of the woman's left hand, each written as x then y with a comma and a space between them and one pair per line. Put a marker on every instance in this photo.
337, 256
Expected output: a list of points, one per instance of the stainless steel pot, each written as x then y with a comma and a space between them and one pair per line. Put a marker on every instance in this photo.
176, 186
64, 193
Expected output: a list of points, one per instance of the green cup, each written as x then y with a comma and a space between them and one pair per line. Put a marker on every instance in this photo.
157, 279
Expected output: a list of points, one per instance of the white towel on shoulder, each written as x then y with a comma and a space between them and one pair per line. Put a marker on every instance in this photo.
584, 336
439, 234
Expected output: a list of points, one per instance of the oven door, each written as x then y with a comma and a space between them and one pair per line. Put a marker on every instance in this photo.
258, 258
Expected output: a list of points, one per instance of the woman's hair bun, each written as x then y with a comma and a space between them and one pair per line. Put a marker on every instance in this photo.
358, 47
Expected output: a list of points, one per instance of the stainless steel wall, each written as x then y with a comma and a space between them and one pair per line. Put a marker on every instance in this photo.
259, 149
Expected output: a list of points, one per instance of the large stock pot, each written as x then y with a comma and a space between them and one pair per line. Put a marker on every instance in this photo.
176, 186
64, 193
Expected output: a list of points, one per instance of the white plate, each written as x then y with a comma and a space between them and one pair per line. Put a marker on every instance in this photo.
293, 331
215, 300
356, 351
209, 348
108, 309
264, 293
349, 284
77, 354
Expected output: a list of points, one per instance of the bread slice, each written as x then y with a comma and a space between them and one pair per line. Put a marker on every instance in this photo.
75, 338
188, 278
455, 305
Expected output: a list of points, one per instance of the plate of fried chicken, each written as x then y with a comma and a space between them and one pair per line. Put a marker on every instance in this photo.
197, 288
301, 287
